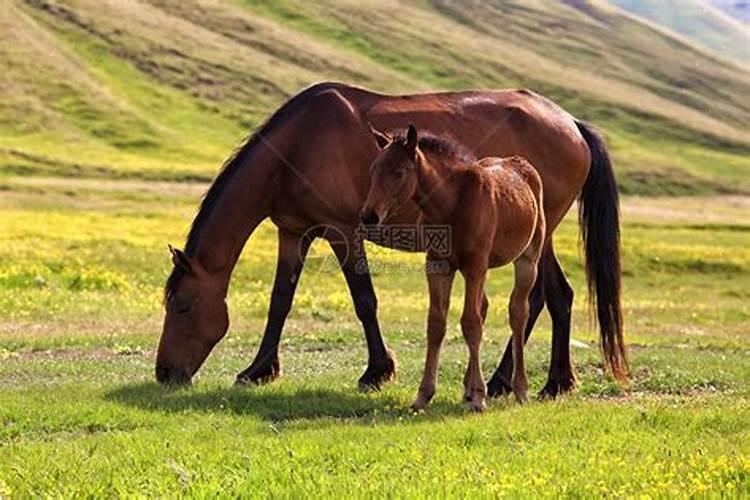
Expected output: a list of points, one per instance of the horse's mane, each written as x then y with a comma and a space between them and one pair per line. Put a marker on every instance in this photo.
239, 157
439, 145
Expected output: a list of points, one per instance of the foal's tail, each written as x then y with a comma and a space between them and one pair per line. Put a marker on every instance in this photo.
599, 218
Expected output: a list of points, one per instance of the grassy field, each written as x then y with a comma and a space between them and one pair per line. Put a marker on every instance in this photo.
81, 267
115, 114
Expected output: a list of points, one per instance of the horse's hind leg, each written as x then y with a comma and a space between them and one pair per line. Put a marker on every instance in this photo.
559, 296
292, 252
440, 284
381, 364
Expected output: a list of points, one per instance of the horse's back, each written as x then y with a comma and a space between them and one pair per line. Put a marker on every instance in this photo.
496, 123
490, 123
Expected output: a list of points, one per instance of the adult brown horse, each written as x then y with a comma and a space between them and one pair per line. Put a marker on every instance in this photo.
307, 169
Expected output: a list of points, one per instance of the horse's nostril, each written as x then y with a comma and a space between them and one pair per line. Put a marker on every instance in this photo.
162, 374
171, 376
370, 218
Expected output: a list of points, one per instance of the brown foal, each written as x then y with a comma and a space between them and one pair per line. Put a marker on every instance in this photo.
493, 209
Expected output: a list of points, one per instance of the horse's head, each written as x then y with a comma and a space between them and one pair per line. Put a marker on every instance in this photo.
393, 175
196, 319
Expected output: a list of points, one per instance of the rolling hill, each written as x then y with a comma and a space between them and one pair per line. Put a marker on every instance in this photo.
717, 25
736, 9
165, 89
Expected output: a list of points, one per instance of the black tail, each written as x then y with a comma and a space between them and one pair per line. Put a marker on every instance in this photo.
599, 218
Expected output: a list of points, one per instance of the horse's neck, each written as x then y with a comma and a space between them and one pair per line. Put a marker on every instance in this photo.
242, 204
437, 190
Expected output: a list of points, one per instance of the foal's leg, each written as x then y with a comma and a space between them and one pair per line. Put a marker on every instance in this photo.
499, 384
485, 308
292, 252
471, 326
381, 364
440, 284
525, 276
559, 296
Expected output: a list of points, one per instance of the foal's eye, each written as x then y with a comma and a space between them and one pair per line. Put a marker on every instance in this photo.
399, 174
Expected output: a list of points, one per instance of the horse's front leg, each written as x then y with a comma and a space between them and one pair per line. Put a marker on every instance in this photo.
292, 252
381, 363
471, 326
440, 282
485, 309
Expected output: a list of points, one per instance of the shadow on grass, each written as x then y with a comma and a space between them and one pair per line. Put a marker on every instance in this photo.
275, 405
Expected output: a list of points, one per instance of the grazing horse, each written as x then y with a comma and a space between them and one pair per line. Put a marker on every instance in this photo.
492, 211
295, 171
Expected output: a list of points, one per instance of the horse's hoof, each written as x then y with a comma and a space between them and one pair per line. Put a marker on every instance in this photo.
554, 388
497, 387
375, 376
259, 376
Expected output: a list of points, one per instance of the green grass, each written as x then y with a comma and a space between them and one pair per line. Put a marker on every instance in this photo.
81, 269
109, 108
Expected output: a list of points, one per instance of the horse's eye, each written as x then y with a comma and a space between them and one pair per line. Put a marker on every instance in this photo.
182, 307
399, 174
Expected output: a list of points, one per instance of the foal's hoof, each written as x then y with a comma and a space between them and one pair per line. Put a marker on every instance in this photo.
554, 388
478, 406
376, 375
419, 405
497, 387
259, 376
521, 391
522, 397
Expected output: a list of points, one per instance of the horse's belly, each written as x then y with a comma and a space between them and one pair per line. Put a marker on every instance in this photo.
513, 239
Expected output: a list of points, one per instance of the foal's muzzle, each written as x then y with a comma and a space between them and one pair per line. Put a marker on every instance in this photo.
369, 217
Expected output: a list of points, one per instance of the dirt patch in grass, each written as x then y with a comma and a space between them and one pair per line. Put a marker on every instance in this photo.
705, 210
93, 354
674, 182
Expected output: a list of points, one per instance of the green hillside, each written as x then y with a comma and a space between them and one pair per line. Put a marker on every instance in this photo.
165, 89
699, 20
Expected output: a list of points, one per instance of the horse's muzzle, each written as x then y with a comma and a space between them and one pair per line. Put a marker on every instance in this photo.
172, 376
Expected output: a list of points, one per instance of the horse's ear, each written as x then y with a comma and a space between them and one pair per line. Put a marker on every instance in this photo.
179, 259
382, 139
411, 139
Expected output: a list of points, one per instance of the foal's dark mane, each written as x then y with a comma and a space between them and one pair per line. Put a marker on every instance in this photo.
238, 158
439, 145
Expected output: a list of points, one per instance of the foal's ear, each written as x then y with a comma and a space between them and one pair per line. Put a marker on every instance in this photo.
382, 139
179, 259
411, 139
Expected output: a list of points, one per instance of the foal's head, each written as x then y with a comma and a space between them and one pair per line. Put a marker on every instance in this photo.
393, 175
